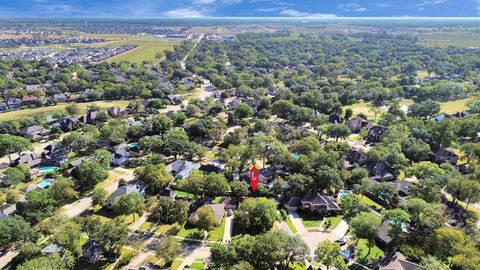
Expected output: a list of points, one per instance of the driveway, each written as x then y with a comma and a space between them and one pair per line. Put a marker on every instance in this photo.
297, 222
227, 233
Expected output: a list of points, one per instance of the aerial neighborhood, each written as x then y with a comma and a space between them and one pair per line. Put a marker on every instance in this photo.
362, 160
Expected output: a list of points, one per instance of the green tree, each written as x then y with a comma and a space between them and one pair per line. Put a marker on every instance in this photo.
169, 211
256, 215
424, 169
168, 248
239, 189
156, 176
69, 235
130, 204
13, 176
73, 109
432, 263
90, 173
99, 196
328, 254
104, 157
10, 144
448, 241
397, 219
14, 229
63, 190
55, 261
205, 219
111, 235
424, 109
365, 226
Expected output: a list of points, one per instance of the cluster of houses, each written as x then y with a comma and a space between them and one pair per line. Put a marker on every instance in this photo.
13, 43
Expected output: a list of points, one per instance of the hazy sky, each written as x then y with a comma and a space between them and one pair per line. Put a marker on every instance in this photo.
238, 8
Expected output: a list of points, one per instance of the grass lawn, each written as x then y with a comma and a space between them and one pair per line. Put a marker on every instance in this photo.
370, 203
217, 233
152, 259
147, 49
334, 221
190, 232
454, 106
460, 38
184, 194
309, 220
197, 264
362, 248
147, 225
297, 266
111, 178
167, 229
362, 107
290, 225
176, 264
217, 199
26, 113
355, 137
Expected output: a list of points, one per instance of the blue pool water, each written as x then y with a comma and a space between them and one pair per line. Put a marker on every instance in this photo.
132, 145
47, 169
296, 155
343, 193
45, 183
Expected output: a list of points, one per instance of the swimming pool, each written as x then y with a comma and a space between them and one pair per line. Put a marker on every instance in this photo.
45, 183
132, 145
342, 193
47, 169
296, 155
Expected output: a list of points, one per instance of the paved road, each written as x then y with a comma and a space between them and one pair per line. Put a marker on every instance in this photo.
227, 233
193, 253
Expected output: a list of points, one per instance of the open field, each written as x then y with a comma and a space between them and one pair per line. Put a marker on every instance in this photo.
464, 39
455, 105
362, 107
147, 49
25, 113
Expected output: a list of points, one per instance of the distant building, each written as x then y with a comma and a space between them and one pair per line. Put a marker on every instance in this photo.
442, 155
34, 132
315, 203
397, 261
30, 160
218, 210
7, 209
380, 171
92, 252
123, 190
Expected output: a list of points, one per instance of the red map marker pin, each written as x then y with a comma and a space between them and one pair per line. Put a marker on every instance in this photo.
254, 176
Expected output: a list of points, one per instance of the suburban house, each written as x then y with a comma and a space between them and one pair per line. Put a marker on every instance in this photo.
14, 104
379, 171
30, 160
72, 168
356, 124
29, 100
3, 107
120, 157
355, 156
123, 190
397, 261
117, 112
57, 98
92, 252
218, 210
376, 133
335, 118
89, 118
182, 168
68, 124
34, 132
402, 187
173, 99
315, 203
382, 234
7, 209
442, 155
54, 154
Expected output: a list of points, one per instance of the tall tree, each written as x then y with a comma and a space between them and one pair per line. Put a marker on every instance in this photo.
328, 254
365, 226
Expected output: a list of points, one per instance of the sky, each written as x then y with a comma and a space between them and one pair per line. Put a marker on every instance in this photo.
239, 8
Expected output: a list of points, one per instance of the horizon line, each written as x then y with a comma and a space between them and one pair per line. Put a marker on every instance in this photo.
255, 17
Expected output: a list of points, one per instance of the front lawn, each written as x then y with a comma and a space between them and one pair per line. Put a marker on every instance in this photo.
362, 248
197, 264
170, 229
370, 203
187, 231
217, 233
310, 220
176, 264
290, 225
333, 221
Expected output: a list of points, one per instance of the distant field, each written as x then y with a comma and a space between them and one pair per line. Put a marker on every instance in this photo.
147, 48
20, 114
362, 107
449, 107
464, 39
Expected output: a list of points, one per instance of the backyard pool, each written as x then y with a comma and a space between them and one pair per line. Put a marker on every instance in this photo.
132, 145
342, 193
47, 169
296, 155
45, 183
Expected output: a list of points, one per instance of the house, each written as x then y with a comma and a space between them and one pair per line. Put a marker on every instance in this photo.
356, 124
52, 248
28, 188
120, 157
440, 117
3, 107
335, 118
188, 82
379, 171
173, 99
376, 134
92, 252
89, 118
182, 168
460, 114
117, 112
68, 124
7, 209
29, 100
34, 132
402, 187
54, 154
14, 104
382, 234
72, 168
30, 160
123, 190
397, 261
218, 210
57, 98
355, 156
230, 203
442, 155
314, 202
